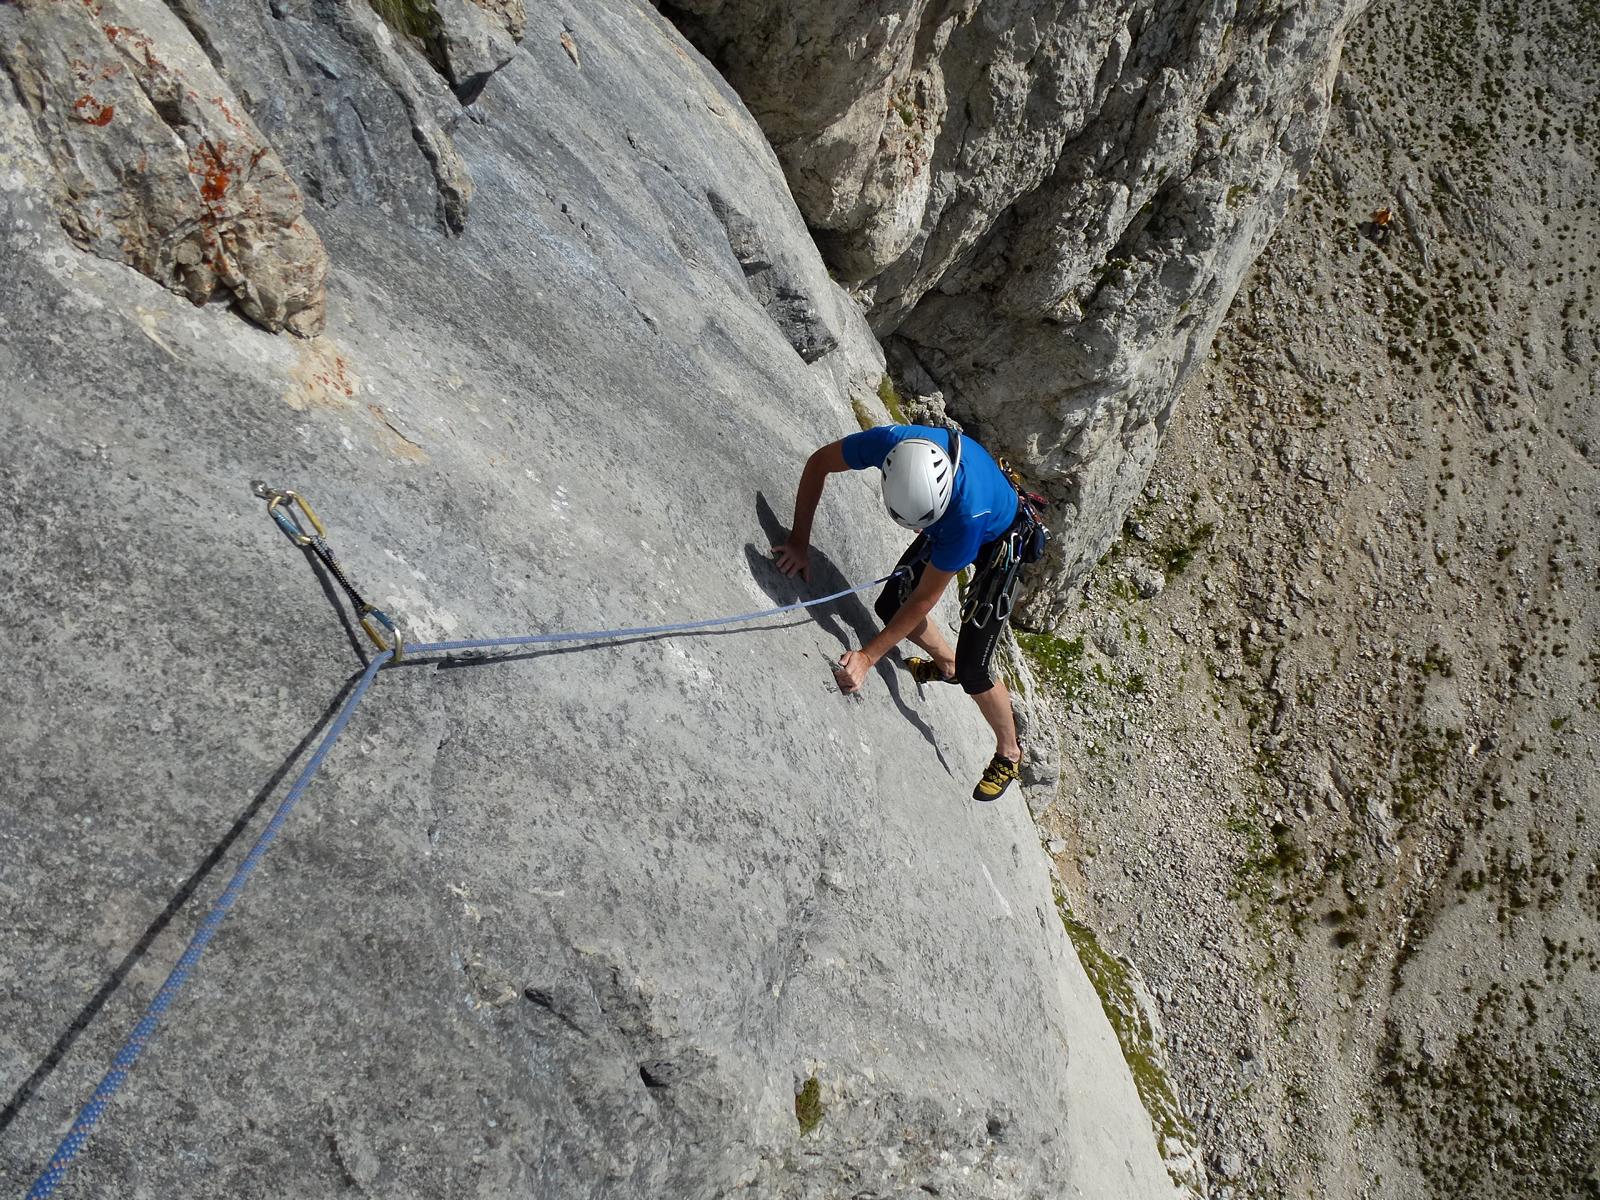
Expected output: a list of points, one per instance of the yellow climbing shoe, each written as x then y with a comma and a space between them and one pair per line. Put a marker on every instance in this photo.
997, 777
925, 670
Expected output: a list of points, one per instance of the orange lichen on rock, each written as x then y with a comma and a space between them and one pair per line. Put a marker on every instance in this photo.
321, 378
91, 112
208, 163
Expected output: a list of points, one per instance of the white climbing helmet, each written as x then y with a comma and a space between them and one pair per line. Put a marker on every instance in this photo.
917, 481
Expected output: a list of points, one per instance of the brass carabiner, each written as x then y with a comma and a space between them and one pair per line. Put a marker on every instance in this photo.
281, 504
372, 616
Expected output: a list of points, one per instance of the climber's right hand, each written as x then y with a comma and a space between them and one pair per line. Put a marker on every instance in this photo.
793, 559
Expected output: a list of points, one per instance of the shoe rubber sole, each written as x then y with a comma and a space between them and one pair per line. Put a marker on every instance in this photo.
923, 671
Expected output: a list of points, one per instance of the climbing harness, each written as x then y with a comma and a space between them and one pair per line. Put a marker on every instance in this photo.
281, 506
1036, 539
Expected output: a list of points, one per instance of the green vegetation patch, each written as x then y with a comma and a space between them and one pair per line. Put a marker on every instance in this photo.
808, 1108
1424, 756
1270, 851
1491, 1115
1058, 662
1434, 662
891, 401
1109, 975
411, 18
1176, 552
863, 416
419, 22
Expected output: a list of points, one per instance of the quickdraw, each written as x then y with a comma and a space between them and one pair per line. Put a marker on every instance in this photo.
281, 507
996, 585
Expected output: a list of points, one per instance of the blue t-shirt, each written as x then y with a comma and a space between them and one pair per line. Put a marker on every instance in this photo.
982, 505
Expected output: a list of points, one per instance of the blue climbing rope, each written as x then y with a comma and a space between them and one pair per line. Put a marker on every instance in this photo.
601, 635
55, 1171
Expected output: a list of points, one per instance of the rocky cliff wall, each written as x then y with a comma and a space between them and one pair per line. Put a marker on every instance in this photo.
610, 922
1330, 764
1046, 207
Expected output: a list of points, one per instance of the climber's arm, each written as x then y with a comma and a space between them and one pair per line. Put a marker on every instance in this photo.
854, 664
794, 556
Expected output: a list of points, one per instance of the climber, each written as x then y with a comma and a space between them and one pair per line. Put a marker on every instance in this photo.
1379, 226
965, 510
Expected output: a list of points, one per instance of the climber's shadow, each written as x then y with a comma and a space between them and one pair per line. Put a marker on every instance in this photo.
848, 621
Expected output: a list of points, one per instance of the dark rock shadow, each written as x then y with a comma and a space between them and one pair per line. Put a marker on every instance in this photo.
848, 621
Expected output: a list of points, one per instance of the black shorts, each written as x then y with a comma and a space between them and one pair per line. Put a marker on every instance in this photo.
976, 643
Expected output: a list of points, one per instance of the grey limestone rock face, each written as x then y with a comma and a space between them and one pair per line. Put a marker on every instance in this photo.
662, 918
828, 82
1049, 205
476, 39
367, 109
774, 283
